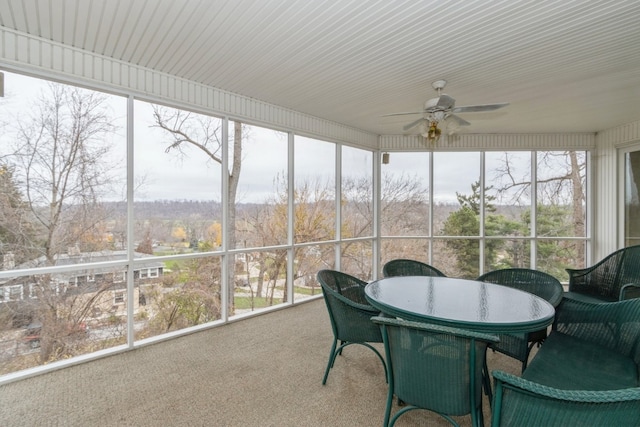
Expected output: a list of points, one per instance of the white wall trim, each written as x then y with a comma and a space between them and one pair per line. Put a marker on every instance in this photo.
606, 203
493, 141
619, 135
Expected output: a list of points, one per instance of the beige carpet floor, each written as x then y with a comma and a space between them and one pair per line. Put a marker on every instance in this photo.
263, 371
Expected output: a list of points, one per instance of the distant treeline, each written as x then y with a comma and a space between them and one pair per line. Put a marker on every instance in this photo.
172, 209
178, 209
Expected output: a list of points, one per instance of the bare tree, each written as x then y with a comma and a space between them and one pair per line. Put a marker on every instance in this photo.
265, 226
196, 301
204, 134
314, 205
61, 160
562, 185
403, 207
61, 151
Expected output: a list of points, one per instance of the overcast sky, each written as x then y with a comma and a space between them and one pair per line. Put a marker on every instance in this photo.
165, 176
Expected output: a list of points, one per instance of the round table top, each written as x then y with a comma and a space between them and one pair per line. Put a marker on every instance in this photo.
460, 303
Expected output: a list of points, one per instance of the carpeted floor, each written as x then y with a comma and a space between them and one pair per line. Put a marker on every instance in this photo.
263, 371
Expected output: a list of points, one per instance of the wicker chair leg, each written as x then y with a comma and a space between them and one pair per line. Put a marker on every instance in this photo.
486, 381
332, 358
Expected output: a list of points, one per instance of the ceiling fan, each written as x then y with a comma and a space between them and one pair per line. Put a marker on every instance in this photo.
441, 109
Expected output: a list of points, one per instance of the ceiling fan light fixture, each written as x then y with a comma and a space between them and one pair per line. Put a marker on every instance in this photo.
432, 134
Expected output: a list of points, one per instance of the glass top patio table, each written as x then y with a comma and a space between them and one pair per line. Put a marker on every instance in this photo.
460, 303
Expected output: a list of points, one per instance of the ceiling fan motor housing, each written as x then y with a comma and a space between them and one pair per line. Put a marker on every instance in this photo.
431, 103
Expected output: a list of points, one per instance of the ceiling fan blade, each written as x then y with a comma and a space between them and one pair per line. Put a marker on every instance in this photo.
458, 120
402, 114
479, 108
412, 124
445, 102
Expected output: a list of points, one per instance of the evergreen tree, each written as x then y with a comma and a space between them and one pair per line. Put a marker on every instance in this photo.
17, 231
466, 222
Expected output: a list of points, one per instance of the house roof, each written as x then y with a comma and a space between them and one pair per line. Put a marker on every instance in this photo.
563, 66
79, 258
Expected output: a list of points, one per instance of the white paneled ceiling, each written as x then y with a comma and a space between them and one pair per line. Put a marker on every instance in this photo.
565, 66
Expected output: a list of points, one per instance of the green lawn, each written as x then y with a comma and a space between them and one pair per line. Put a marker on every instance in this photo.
244, 303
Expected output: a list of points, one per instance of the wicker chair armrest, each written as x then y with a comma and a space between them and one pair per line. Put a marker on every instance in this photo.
605, 278
436, 328
581, 277
363, 307
633, 288
580, 271
577, 272
599, 396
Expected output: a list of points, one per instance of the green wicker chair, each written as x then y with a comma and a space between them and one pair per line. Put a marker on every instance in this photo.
585, 373
614, 278
409, 267
536, 282
434, 368
523, 403
350, 314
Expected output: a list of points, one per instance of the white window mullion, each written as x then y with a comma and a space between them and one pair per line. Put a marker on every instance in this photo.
130, 221
224, 270
430, 231
290, 214
338, 197
534, 208
377, 202
482, 242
